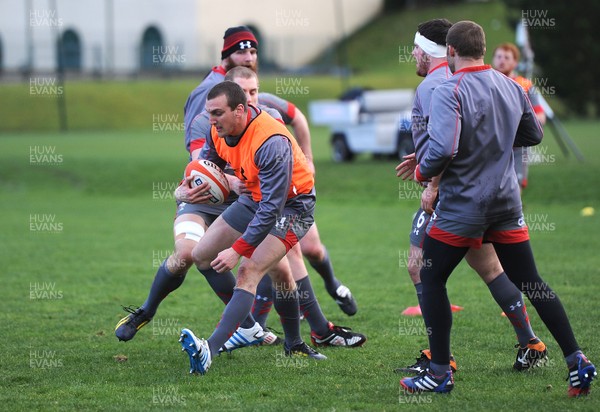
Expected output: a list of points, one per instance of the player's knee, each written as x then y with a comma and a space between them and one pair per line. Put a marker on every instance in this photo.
488, 270
414, 271
201, 259
414, 263
281, 273
187, 234
313, 252
485, 262
247, 276
181, 258
490, 274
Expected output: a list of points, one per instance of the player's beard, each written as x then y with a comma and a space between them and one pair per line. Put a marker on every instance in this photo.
229, 64
504, 71
423, 66
451, 64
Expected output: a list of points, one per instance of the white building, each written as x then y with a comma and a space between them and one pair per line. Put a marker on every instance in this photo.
124, 36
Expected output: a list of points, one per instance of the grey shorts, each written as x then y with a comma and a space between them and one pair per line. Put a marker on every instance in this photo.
507, 229
419, 224
207, 212
290, 227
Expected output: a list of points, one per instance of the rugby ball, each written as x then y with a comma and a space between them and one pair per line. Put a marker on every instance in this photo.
206, 171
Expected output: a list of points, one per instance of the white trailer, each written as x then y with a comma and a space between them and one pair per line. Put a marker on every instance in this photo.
377, 121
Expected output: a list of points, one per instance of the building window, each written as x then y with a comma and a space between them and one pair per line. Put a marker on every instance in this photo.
70, 57
151, 49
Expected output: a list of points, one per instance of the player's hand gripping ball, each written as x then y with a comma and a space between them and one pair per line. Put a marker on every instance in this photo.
206, 171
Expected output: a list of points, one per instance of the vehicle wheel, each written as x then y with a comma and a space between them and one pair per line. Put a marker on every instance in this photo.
341, 151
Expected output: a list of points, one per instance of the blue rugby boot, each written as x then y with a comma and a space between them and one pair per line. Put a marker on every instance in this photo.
197, 350
427, 382
244, 337
580, 377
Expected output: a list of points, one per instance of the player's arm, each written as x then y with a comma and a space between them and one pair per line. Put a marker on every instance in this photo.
534, 98
419, 119
199, 130
406, 169
188, 194
444, 134
274, 160
302, 135
420, 137
541, 117
530, 131
430, 194
193, 107
184, 192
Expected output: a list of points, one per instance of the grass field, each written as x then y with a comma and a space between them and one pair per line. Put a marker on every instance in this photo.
87, 216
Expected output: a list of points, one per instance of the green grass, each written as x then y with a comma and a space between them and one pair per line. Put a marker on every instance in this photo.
58, 351
382, 46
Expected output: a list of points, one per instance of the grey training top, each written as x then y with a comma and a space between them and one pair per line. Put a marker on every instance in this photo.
476, 118
420, 110
286, 109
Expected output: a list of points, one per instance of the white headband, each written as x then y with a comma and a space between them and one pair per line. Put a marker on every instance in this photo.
430, 47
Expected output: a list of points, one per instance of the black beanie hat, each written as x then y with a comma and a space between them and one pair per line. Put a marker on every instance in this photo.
237, 38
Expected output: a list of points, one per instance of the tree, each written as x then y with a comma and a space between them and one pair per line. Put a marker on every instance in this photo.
567, 48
